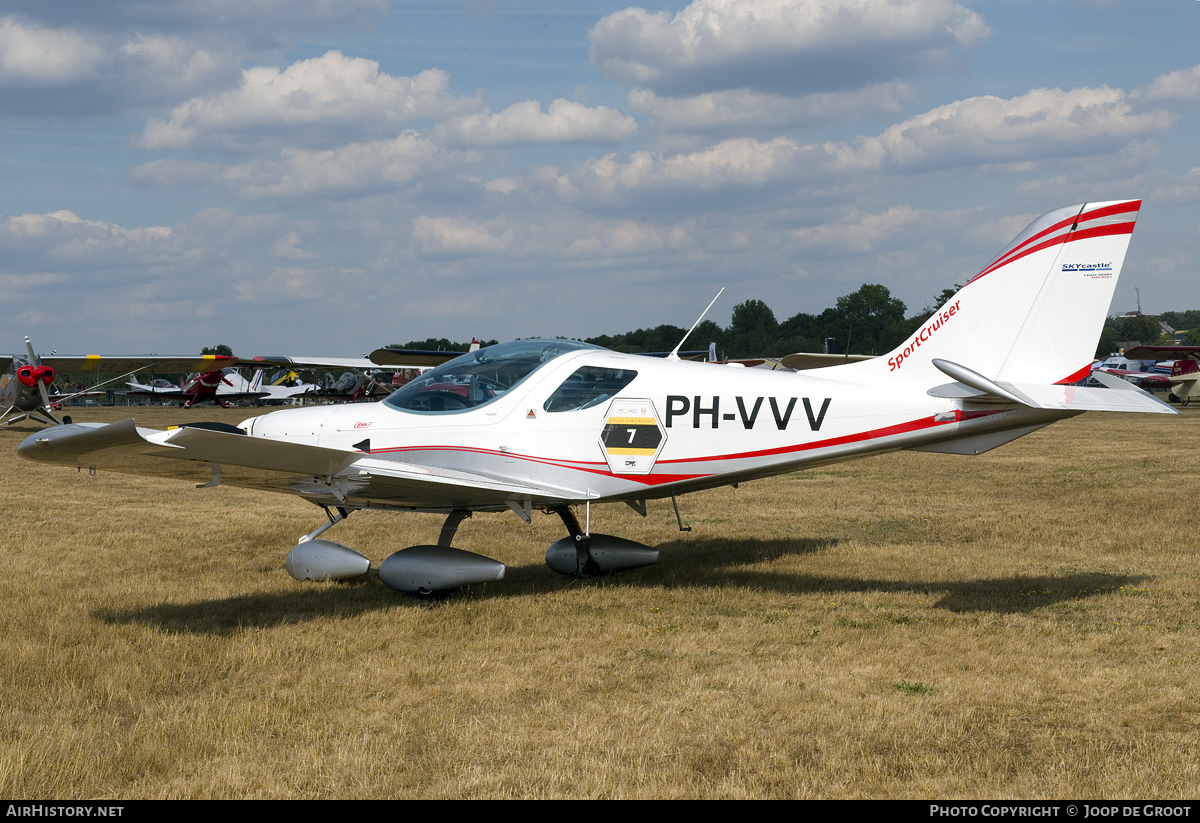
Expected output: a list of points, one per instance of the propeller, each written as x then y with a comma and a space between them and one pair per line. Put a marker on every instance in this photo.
41, 376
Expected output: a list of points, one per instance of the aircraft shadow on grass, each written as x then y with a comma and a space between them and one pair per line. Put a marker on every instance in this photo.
700, 564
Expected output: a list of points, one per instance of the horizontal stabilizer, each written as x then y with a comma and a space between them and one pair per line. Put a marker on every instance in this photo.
1080, 398
1119, 396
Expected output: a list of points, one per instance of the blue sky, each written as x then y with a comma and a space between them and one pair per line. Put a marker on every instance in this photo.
321, 177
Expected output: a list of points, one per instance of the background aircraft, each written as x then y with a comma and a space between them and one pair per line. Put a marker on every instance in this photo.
1185, 372
556, 424
213, 386
1131, 371
361, 378
24, 389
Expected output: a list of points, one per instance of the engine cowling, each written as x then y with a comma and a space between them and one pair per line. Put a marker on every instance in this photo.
427, 569
32, 375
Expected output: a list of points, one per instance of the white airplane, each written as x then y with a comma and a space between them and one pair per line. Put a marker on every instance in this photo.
558, 425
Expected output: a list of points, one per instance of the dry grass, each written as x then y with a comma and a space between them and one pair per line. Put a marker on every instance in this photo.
1020, 624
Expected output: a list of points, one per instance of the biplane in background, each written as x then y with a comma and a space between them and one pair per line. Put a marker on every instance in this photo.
560, 426
25, 385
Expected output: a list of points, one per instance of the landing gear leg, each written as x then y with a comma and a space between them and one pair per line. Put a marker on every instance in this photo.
450, 527
342, 514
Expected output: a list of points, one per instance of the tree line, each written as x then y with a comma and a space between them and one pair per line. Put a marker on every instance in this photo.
868, 321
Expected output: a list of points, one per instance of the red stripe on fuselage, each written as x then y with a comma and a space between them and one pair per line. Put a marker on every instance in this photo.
656, 478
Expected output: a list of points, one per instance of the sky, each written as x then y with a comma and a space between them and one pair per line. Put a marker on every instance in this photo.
322, 177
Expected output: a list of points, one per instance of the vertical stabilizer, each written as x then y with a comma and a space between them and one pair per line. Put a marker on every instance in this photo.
1035, 313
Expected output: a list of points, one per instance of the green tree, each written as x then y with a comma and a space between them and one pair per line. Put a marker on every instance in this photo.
753, 331
438, 344
1141, 328
220, 349
1110, 339
866, 315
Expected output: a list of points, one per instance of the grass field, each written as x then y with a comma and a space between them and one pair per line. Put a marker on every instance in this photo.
1021, 624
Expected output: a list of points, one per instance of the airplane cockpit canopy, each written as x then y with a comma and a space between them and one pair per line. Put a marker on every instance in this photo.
479, 377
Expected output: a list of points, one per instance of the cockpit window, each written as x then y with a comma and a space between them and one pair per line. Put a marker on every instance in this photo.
480, 377
587, 387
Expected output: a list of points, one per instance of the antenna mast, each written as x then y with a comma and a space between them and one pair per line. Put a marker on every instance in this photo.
675, 354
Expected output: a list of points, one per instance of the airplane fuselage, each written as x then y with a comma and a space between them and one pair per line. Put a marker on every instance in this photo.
674, 427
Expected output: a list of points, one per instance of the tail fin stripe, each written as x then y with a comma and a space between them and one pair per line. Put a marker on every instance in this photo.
1104, 230
1054, 241
1016, 253
1100, 231
1108, 211
1076, 377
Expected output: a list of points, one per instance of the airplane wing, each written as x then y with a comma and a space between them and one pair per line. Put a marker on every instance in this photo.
802, 361
1163, 353
104, 364
305, 363
414, 359
176, 394
1142, 376
213, 453
411, 358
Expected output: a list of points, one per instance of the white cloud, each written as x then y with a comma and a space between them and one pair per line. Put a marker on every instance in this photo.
313, 103
1177, 189
743, 162
523, 124
859, 233
355, 169
288, 248
1182, 85
1043, 125
49, 71
62, 238
41, 57
782, 46
97, 256
459, 237
726, 112
87, 59
291, 283
260, 23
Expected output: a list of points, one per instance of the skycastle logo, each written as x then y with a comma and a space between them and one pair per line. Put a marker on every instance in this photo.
1100, 270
